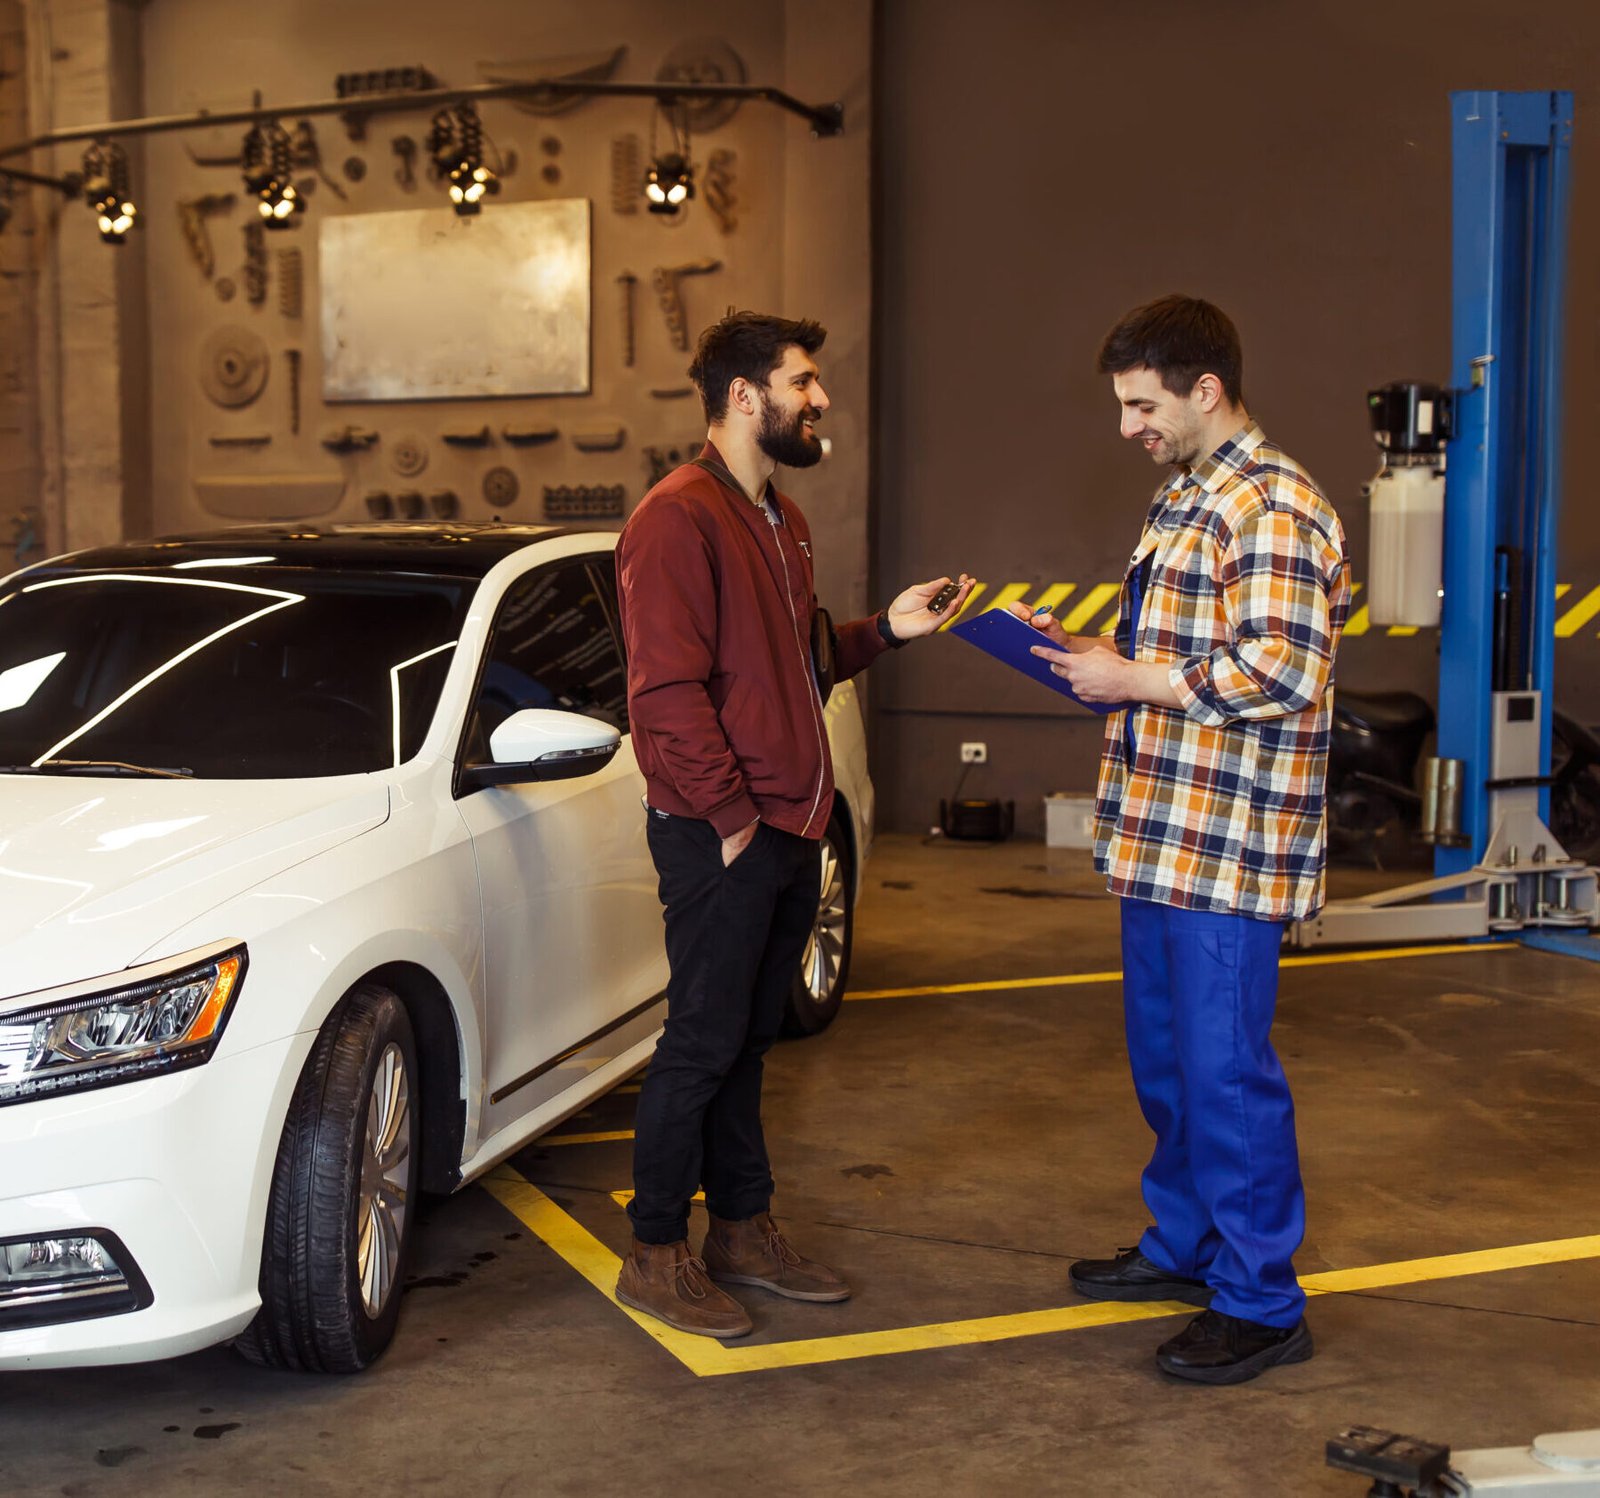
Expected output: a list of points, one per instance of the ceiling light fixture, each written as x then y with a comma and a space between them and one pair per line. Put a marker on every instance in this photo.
268, 162
669, 183
455, 142
106, 190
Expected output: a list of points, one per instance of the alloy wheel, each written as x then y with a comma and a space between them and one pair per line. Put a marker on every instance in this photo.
825, 947
385, 1180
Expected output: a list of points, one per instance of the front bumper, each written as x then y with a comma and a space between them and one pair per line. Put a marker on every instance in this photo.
179, 1168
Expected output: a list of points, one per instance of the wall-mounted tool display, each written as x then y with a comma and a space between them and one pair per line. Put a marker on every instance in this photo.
625, 174
291, 362
551, 146
585, 502
529, 436
408, 456
192, 215
660, 461
349, 439
354, 169
445, 504
233, 366
598, 439
255, 263
291, 282
578, 67
500, 487
466, 436
704, 60
668, 281
672, 393
410, 505
380, 504
226, 288
353, 86
239, 439
269, 496
627, 281
718, 190
405, 149
306, 154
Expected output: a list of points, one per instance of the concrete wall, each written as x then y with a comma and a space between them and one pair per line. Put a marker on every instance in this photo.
1041, 169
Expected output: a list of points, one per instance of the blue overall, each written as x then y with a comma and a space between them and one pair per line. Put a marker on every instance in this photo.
1199, 989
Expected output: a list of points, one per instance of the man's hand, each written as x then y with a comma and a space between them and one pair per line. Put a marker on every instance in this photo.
1050, 627
1104, 676
909, 617
735, 843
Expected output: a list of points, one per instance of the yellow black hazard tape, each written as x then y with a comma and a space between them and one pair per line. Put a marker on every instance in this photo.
1093, 610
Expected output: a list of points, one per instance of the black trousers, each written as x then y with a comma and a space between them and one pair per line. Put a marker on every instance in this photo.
734, 940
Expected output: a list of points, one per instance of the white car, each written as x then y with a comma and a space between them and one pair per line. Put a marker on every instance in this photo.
323, 881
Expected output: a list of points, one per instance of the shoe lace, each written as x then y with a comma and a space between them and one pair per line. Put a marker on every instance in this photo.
780, 1248
692, 1273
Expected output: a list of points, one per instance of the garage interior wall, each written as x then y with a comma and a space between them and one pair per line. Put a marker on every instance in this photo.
1046, 167
799, 240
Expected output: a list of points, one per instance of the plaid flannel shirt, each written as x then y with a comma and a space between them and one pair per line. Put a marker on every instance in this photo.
1223, 806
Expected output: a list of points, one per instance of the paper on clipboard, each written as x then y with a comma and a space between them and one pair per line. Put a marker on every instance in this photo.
998, 632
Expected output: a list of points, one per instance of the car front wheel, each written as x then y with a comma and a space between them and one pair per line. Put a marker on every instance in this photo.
339, 1220
819, 987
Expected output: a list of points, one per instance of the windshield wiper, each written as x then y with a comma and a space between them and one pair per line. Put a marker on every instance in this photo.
110, 767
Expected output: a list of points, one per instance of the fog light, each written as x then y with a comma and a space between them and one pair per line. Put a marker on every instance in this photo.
67, 1279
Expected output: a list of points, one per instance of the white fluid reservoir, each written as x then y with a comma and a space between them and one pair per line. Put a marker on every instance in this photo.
1405, 571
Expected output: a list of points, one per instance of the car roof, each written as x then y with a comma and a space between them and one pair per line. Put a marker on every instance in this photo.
439, 549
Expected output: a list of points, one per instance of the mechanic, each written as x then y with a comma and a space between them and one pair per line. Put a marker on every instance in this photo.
1209, 823
718, 611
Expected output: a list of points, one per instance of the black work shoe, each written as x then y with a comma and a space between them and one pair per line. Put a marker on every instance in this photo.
1131, 1276
1216, 1348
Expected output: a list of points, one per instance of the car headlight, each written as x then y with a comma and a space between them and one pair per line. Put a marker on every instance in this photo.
158, 1019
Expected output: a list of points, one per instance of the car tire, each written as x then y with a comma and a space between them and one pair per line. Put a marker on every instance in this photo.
825, 967
339, 1222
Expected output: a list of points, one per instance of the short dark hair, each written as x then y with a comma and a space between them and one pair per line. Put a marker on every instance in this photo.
1180, 338
746, 345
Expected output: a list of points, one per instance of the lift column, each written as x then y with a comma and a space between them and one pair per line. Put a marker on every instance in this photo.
1509, 214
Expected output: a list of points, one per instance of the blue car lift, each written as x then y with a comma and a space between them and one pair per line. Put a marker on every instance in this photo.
1505, 872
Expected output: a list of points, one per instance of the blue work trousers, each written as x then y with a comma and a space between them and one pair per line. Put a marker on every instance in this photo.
1223, 1183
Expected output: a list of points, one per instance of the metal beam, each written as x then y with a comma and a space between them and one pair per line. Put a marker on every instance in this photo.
825, 119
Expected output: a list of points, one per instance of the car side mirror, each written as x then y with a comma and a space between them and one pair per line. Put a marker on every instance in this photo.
539, 743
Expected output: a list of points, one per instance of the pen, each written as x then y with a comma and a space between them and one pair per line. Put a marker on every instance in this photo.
1044, 608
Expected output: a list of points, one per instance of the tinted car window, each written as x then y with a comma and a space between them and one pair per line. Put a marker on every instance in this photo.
552, 647
273, 673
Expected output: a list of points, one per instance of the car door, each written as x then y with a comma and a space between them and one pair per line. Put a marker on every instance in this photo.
571, 921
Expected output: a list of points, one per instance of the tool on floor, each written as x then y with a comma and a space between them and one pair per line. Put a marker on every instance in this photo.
1564, 1465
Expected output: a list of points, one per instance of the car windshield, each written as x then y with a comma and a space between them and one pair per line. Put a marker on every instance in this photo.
262, 673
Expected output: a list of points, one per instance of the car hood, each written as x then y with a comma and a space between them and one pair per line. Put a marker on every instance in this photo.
94, 872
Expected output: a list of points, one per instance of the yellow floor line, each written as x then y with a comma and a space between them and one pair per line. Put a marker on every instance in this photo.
1066, 980
605, 1138
706, 1358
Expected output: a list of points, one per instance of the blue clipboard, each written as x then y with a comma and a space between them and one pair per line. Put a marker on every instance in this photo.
998, 632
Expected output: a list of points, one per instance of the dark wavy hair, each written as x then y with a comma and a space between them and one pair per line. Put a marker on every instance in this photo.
1180, 338
746, 345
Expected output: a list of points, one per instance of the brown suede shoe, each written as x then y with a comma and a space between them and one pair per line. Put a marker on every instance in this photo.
666, 1281
754, 1252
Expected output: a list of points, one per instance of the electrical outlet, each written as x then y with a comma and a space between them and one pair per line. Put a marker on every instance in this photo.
974, 754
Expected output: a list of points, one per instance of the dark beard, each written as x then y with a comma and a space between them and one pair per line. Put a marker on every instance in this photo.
785, 441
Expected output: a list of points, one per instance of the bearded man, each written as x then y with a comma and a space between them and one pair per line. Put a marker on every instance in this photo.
718, 608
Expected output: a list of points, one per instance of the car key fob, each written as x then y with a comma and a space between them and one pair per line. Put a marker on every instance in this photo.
941, 600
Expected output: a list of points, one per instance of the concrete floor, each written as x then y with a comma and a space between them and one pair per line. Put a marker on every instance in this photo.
953, 1154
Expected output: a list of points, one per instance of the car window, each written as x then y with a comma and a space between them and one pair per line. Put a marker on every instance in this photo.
552, 646
268, 673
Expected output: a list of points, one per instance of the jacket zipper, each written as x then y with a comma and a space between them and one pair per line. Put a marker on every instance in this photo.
805, 661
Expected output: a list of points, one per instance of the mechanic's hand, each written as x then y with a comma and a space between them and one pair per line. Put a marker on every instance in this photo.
1095, 675
735, 844
1046, 623
908, 614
